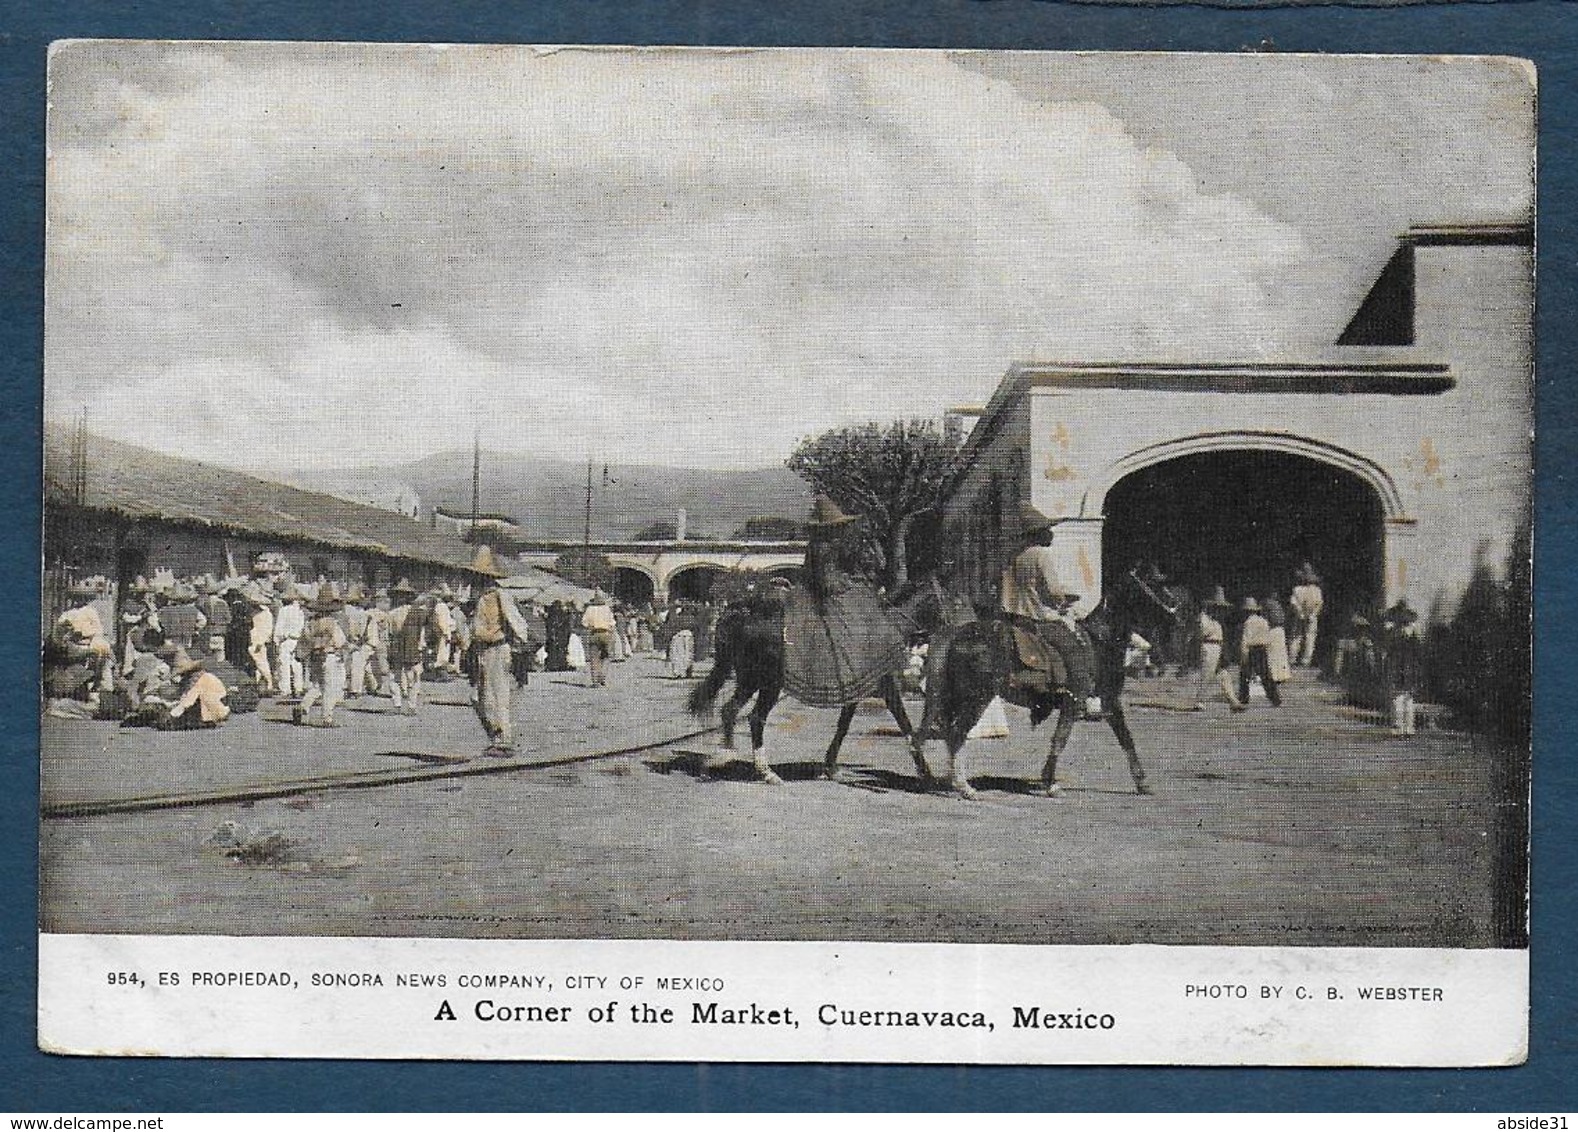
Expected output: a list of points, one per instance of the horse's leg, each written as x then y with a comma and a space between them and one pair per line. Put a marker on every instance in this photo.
729, 713
959, 728
1120, 728
1067, 713
895, 701
765, 699
846, 716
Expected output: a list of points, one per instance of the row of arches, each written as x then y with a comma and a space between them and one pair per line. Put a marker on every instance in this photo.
690, 583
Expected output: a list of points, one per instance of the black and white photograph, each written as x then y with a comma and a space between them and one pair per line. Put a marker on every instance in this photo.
823, 528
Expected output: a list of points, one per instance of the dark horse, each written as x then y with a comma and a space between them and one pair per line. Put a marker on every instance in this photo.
981, 659
749, 647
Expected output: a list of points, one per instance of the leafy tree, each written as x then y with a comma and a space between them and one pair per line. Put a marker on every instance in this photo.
663, 530
771, 527
581, 568
892, 475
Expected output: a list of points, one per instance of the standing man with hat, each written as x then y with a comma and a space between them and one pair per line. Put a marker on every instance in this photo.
407, 645
598, 621
1254, 654
1401, 654
1035, 602
182, 620
1213, 635
260, 636
326, 646
289, 624
354, 620
497, 629
1305, 603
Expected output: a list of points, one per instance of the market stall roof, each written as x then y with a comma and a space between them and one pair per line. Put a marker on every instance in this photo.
541, 586
139, 483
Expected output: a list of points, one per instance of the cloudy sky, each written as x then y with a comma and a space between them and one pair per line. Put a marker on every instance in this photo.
315, 255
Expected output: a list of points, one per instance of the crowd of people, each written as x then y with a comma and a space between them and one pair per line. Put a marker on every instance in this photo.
180, 653
185, 653
1261, 640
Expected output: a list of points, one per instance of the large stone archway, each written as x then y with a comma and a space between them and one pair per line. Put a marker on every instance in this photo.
694, 582
634, 586
1289, 498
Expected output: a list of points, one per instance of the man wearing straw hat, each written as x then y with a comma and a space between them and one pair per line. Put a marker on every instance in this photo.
326, 646
260, 635
1036, 603
290, 622
1254, 657
354, 620
200, 689
407, 625
1305, 603
497, 629
1213, 634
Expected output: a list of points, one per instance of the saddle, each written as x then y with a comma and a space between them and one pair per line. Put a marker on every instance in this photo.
1052, 656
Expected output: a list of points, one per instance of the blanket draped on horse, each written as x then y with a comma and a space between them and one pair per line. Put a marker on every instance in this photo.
838, 650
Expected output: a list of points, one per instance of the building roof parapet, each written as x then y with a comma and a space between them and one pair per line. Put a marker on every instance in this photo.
1513, 234
1384, 376
665, 546
1382, 371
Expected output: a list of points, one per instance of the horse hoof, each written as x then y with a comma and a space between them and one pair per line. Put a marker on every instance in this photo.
1055, 792
1143, 790
965, 791
771, 779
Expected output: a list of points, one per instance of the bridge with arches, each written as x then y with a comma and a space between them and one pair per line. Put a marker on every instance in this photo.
675, 570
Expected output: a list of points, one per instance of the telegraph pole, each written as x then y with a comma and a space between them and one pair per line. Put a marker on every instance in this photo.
476, 483
586, 530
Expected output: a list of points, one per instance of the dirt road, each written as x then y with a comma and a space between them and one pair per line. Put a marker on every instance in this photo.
1304, 825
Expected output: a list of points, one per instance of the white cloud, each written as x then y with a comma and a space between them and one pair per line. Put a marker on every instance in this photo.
356, 255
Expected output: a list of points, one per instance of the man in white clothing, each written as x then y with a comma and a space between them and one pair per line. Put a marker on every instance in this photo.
289, 624
1306, 603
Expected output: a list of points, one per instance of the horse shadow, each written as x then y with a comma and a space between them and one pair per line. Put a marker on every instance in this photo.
719, 768
880, 781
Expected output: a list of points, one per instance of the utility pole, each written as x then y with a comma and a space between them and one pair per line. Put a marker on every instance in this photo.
586, 530
79, 460
476, 483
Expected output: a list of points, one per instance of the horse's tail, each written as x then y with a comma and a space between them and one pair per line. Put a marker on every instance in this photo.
703, 694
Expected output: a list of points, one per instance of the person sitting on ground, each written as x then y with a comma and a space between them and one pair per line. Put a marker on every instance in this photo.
78, 656
199, 689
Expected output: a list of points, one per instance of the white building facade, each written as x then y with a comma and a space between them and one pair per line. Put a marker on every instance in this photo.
1397, 461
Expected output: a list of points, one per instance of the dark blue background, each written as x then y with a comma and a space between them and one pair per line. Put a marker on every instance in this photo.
1543, 31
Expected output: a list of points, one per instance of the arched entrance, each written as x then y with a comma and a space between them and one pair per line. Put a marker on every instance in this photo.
1246, 519
788, 573
693, 583
631, 586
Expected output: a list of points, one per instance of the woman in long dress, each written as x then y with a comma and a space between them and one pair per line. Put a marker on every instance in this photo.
840, 641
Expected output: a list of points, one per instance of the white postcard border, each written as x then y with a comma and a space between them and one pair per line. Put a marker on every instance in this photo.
550, 1000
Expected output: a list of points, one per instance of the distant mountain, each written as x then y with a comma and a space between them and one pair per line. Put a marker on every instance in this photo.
548, 497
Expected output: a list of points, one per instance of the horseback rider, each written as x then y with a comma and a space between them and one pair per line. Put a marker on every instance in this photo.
1052, 650
840, 640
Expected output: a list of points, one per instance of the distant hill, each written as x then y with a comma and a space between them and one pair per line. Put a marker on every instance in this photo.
547, 497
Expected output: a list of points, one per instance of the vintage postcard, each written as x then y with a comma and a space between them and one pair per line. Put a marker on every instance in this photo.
786, 555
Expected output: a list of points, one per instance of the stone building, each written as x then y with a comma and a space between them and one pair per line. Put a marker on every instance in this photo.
1396, 460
